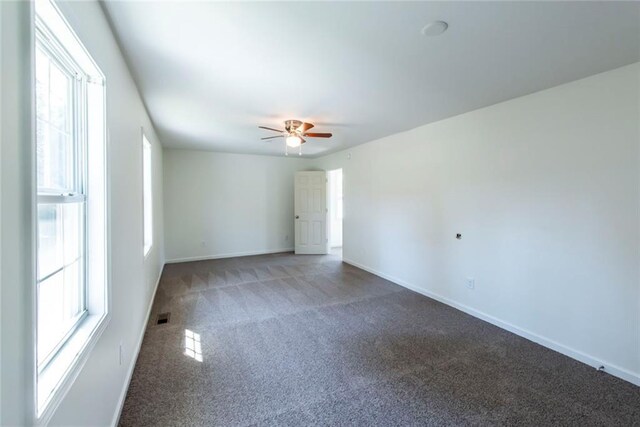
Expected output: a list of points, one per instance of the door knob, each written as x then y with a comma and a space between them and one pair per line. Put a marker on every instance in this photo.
297, 217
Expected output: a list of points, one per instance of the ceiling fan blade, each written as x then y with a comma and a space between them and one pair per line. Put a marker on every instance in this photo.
275, 130
318, 135
302, 140
271, 137
304, 127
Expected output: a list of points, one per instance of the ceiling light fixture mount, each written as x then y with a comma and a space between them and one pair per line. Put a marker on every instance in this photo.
435, 28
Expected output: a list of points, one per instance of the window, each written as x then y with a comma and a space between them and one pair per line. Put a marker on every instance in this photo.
71, 273
147, 194
61, 201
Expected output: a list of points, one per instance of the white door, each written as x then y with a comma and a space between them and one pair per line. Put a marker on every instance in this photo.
311, 213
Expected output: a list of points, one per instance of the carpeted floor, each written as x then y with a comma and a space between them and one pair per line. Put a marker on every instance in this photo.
307, 340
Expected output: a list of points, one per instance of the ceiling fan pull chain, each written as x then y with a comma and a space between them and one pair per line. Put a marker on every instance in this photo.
300, 150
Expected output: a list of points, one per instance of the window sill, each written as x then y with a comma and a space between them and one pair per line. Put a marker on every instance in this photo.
57, 378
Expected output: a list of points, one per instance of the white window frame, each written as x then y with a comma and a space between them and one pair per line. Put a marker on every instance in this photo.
55, 376
49, 196
147, 195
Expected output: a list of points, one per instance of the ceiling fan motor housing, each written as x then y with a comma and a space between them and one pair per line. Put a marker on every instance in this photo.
292, 125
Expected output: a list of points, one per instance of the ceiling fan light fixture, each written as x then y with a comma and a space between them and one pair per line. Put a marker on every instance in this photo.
295, 134
293, 141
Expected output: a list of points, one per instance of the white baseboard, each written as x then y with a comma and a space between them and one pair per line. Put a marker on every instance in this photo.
125, 388
229, 255
612, 369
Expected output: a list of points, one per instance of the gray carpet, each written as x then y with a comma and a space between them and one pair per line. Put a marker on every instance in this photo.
308, 340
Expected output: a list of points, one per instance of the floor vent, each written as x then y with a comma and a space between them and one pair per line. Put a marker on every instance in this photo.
163, 318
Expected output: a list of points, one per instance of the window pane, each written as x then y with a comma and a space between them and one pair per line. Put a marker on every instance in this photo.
73, 223
147, 195
50, 252
59, 305
50, 309
54, 125
60, 236
55, 159
42, 85
59, 98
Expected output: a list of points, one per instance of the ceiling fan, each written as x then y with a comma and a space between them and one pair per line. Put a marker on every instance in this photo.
294, 133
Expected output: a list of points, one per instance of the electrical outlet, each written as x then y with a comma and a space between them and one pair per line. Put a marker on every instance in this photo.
471, 283
203, 243
286, 238
120, 355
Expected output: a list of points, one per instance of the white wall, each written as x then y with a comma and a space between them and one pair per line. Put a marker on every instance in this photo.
16, 276
219, 204
95, 396
544, 190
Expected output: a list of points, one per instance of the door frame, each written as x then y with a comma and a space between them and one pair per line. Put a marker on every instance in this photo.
331, 207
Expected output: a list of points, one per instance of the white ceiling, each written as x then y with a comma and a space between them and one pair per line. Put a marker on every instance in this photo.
211, 72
